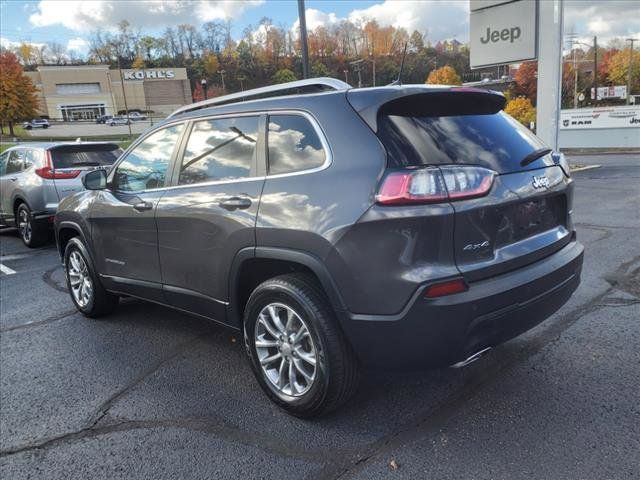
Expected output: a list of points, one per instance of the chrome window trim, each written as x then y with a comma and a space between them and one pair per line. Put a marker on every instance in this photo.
328, 161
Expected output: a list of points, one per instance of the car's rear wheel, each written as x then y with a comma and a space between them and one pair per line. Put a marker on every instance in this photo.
33, 232
85, 288
297, 350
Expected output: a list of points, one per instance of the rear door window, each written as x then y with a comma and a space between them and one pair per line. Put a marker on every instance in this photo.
71, 156
294, 145
220, 149
16, 161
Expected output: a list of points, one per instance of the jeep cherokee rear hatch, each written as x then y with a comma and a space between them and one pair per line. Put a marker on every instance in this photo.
456, 145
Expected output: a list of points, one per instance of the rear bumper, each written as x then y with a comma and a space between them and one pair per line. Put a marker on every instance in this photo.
446, 330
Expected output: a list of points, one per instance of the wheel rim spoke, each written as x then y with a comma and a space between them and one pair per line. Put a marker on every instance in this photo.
286, 351
79, 279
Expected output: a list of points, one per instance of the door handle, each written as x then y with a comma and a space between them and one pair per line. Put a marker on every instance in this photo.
13, 179
233, 203
142, 206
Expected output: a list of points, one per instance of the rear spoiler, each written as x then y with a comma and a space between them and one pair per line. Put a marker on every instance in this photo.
423, 101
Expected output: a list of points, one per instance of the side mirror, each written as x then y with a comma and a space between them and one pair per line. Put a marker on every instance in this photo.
95, 180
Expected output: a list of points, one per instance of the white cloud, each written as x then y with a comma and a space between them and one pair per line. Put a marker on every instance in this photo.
84, 15
608, 20
11, 45
78, 44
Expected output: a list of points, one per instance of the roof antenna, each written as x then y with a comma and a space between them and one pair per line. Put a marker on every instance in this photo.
398, 81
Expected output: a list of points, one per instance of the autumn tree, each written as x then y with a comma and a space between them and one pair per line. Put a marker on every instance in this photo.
444, 76
526, 80
619, 69
522, 110
18, 100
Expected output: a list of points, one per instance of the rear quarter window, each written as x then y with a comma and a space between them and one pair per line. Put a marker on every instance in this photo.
294, 145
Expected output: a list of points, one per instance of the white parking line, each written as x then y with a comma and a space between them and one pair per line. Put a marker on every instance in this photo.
6, 270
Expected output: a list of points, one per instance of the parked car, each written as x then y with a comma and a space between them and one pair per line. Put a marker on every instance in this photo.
336, 228
136, 116
103, 118
36, 123
35, 177
113, 121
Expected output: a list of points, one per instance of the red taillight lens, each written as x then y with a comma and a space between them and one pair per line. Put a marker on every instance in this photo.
435, 184
445, 288
50, 173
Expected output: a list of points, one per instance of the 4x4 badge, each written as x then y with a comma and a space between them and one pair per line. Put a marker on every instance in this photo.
540, 182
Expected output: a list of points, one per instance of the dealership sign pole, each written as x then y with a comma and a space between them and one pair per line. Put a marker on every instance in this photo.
511, 31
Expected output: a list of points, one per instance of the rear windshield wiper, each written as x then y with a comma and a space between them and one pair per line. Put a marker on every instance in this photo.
533, 156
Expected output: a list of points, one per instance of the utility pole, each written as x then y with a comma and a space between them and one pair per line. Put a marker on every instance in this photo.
373, 61
124, 96
595, 69
575, 79
303, 38
631, 40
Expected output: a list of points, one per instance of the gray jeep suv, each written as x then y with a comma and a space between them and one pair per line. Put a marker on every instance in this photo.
335, 227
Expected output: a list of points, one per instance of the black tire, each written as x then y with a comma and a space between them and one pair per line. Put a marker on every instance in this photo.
337, 372
33, 233
101, 302
28, 127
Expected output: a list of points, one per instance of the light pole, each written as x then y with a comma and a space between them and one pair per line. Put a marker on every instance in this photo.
203, 82
630, 40
303, 37
346, 76
241, 79
222, 72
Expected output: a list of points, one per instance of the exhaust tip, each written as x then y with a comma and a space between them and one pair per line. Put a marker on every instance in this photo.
471, 359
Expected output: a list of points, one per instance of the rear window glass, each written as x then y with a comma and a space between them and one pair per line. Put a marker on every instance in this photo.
494, 141
85, 156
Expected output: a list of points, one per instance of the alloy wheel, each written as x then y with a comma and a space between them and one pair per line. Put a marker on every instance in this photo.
79, 279
287, 354
24, 225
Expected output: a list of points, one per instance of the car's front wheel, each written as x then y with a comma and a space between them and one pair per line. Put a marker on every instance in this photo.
33, 232
83, 283
297, 350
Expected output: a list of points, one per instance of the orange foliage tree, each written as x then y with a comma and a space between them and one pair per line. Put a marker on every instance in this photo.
522, 110
18, 99
444, 76
526, 81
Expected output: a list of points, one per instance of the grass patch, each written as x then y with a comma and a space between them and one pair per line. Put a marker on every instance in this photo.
4, 146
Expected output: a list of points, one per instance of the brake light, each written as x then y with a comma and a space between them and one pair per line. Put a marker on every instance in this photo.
434, 184
50, 173
445, 288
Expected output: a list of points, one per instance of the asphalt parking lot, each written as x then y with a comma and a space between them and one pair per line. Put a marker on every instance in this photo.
153, 393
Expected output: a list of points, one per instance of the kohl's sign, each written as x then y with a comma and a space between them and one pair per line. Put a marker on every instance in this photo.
147, 74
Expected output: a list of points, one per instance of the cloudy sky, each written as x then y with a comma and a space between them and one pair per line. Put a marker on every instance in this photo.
70, 21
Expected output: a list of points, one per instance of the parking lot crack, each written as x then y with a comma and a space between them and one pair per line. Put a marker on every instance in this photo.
37, 323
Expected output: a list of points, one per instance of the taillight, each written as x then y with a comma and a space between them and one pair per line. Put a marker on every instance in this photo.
50, 173
434, 184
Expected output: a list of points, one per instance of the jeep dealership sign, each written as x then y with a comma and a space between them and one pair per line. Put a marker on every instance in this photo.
502, 32
605, 117
147, 74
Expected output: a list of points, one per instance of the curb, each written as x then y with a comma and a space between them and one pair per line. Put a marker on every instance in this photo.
586, 167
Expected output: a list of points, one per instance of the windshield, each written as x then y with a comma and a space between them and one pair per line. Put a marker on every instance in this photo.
85, 155
494, 141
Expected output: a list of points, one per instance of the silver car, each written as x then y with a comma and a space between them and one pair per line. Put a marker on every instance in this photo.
34, 178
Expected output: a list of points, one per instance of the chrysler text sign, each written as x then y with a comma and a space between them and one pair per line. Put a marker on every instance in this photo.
502, 32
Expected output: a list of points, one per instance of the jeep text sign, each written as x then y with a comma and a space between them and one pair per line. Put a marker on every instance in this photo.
502, 33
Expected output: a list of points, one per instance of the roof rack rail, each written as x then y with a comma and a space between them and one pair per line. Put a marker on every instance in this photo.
311, 85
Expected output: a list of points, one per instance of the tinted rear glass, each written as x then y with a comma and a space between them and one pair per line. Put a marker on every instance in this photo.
494, 141
85, 156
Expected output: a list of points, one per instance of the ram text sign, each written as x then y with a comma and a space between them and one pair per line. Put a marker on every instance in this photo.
502, 33
145, 74
603, 117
